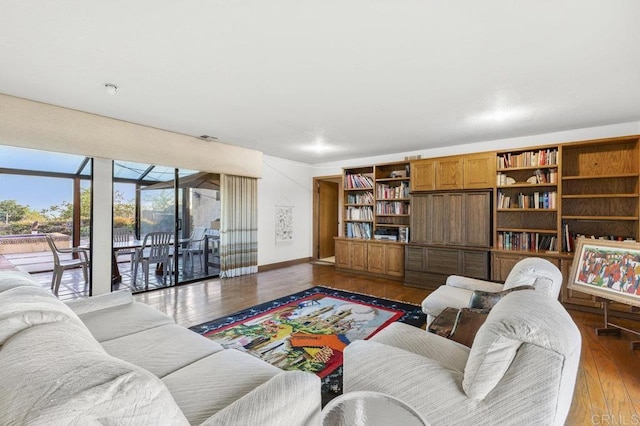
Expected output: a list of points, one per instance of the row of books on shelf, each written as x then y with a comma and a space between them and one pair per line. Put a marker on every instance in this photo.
360, 198
387, 191
569, 238
535, 200
358, 181
542, 157
359, 230
526, 241
392, 207
359, 213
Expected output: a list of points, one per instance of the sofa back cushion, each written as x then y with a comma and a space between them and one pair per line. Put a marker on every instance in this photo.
521, 317
11, 279
56, 373
536, 272
23, 307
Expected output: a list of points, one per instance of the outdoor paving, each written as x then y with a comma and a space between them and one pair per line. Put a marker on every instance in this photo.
40, 266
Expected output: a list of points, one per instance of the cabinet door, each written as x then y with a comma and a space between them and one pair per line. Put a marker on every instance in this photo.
343, 251
502, 265
394, 260
449, 173
419, 218
415, 258
480, 170
359, 255
375, 258
437, 218
455, 217
475, 264
422, 175
477, 219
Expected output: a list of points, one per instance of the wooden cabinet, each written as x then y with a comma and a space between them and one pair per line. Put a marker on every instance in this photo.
474, 171
479, 170
386, 259
423, 175
379, 258
351, 254
503, 262
429, 266
449, 173
451, 235
452, 218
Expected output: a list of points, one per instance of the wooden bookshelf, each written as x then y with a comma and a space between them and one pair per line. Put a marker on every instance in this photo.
527, 199
376, 200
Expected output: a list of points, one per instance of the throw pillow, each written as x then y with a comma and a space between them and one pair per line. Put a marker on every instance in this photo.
485, 300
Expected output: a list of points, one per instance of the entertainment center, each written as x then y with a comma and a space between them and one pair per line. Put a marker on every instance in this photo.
479, 214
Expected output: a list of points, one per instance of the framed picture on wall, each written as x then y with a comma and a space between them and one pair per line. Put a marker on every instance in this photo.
607, 269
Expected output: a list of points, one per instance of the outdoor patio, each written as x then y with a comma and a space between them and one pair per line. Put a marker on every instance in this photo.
40, 266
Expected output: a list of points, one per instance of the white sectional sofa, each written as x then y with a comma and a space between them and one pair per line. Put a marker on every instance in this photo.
111, 360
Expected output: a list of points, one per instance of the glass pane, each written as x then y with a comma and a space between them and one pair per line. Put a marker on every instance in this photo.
200, 211
32, 206
36, 160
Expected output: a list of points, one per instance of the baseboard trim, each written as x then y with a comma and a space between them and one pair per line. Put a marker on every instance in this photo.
271, 266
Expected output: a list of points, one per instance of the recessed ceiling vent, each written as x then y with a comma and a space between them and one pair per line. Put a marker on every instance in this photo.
208, 138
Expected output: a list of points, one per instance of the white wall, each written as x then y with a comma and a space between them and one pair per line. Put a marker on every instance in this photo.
102, 218
624, 129
288, 183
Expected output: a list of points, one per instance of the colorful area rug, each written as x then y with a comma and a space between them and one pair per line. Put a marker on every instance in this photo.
308, 331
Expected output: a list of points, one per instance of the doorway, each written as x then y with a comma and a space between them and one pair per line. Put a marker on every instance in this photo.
326, 218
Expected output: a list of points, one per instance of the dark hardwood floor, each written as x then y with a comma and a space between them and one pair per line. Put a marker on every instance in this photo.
608, 384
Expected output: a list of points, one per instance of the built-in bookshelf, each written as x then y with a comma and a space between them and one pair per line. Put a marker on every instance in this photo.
600, 190
377, 201
526, 199
359, 202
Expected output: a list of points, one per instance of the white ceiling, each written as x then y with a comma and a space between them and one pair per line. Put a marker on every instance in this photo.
362, 77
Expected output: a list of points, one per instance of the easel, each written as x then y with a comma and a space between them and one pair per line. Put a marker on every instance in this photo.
611, 329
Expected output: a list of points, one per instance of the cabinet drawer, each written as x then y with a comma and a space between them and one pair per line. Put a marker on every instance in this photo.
445, 261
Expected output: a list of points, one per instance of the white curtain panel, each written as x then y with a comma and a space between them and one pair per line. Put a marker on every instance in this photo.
238, 226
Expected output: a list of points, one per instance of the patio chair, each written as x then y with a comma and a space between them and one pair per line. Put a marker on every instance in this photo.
59, 265
157, 248
124, 235
195, 246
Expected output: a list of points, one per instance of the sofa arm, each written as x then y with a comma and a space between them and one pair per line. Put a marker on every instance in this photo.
290, 398
427, 386
103, 301
473, 284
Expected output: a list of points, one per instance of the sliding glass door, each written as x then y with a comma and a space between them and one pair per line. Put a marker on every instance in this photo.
153, 200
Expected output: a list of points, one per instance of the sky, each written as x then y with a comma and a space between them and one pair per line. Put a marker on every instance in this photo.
36, 192
41, 193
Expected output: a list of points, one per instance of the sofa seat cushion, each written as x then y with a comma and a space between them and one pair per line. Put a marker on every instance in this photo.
162, 350
56, 373
236, 374
122, 320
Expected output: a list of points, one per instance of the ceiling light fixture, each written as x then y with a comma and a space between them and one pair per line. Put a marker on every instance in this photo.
111, 89
208, 138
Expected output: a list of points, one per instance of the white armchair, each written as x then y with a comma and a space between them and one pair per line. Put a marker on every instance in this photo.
457, 291
521, 368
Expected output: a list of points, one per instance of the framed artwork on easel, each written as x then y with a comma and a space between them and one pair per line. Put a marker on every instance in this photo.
610, 271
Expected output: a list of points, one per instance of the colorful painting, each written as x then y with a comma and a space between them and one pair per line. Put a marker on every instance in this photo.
308, 334
608, 269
